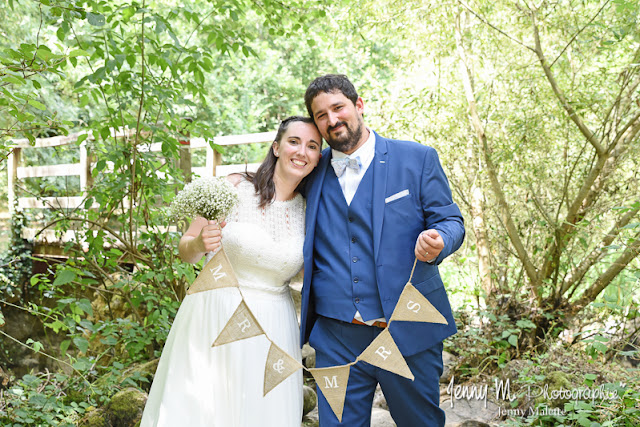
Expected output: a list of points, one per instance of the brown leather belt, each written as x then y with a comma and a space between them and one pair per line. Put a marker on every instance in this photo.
377, 323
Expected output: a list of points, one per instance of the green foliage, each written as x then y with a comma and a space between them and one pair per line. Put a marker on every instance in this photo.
39, 400
16, 263
162, 69
550, 397
158, 72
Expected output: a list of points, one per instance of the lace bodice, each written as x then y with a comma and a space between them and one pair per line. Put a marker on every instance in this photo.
264, 245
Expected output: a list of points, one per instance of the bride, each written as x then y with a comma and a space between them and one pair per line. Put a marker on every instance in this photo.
197, 385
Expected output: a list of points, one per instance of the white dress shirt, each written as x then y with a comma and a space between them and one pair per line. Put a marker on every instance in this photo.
350, 179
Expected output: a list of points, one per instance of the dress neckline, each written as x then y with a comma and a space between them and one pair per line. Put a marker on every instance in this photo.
282, 202
274, 202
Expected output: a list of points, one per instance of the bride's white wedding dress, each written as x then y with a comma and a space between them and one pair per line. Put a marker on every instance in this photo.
197, 385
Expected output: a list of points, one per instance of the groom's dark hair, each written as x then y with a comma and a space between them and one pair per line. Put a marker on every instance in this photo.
329, 83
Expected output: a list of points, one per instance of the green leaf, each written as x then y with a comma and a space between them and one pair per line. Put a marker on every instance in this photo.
38, 105
513, 340
14, 79
56, 326
600, 338
85, 305
95, 19
45, 54
602, 348
127, 13
78, 52
1, 318
525, 324
81, 343
64, 345
131, 60
37, 345
81, 138
61, 34
64, 277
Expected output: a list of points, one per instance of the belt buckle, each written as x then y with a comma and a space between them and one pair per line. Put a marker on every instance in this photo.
377, 323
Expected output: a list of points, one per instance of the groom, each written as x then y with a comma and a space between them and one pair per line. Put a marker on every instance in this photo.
373, 206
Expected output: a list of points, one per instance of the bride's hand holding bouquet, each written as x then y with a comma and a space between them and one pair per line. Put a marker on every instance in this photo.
207, 201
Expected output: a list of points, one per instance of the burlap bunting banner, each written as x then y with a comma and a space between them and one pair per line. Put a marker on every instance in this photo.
332, 382
384, 353
278, 367
240, 326
218, 273
414, 307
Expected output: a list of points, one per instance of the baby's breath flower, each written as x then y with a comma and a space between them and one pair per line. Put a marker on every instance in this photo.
211, 198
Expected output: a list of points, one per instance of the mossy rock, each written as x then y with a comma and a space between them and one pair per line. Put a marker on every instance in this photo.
310, 400
555, 381
125, 408
95, 418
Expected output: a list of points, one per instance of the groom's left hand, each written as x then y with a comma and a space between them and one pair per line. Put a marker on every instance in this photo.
429, 245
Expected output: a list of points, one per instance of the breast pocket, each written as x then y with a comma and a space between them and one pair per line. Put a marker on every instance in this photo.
397, 197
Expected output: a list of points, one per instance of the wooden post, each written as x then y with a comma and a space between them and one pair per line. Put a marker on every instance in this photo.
12, 172
184, 163
217, 160
86, 179
213, 159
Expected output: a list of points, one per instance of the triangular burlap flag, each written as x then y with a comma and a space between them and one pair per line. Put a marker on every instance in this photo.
218, 273
278, 367
241, 325
384, 353
414, 307
333, 384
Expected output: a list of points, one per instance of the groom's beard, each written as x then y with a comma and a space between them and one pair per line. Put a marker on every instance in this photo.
348, 140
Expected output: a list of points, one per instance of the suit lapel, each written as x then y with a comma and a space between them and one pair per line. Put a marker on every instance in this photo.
313, 200
380, 167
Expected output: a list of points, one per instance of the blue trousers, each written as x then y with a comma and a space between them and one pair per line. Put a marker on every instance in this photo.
411, 403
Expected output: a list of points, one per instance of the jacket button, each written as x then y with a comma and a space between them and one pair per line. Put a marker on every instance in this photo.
353, 240
354, 259
350, 219
356, 280
357, 300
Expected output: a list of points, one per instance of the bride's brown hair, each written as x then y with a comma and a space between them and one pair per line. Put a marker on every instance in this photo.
262, 179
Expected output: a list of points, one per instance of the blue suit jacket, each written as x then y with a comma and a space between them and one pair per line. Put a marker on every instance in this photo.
397, 166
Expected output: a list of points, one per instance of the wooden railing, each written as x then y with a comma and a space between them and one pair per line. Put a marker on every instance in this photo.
83, 169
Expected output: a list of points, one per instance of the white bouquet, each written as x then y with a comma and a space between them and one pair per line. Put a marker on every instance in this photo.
211, 198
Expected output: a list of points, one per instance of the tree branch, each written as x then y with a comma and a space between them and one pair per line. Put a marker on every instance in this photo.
575, 117
493, 26
634, 124
505, 213
134, 148
578, 33
632, 251
576, 275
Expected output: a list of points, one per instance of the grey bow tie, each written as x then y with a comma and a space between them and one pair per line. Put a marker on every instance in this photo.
340, 165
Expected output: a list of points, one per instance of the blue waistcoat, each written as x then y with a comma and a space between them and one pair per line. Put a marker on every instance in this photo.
344, 275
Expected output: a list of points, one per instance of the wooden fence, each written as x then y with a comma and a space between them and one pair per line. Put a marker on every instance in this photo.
83, 169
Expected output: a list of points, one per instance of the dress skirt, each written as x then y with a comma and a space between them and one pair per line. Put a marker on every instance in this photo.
199, 385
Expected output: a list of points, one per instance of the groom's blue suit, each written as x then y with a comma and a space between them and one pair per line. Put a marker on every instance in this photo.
404, 192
